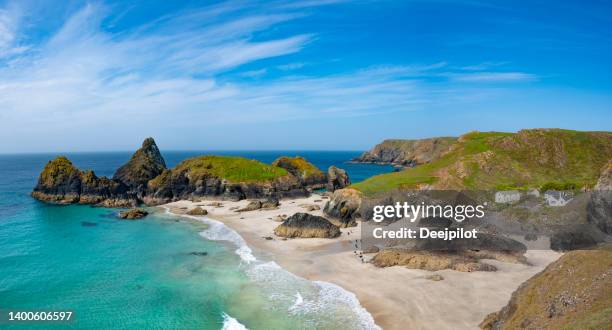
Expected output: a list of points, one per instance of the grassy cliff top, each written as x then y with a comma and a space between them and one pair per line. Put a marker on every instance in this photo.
496, 160
298, 164
234, 169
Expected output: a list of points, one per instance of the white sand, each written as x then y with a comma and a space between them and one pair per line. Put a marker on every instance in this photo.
397, 297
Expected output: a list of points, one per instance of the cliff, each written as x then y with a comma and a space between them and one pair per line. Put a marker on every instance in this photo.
61, 182
574, 292
407, 152
306, 172
224, 177
146, 163
533, 158
145, 179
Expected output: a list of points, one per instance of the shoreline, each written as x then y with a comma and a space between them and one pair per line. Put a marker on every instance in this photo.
396, 297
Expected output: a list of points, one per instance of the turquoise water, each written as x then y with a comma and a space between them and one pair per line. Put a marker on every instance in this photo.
143, 274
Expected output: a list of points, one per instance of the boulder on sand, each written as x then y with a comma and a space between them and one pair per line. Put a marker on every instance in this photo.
198, 211
305, 225
337, 179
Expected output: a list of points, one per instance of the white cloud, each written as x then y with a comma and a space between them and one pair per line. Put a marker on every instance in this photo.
494, 77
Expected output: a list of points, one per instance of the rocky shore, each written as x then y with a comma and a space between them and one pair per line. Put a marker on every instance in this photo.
145, 179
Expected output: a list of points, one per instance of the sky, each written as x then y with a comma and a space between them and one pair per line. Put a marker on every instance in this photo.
296, 75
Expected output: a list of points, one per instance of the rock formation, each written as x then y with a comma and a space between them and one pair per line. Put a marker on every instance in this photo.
343, 207
337, 179
304, 225
132, 214
306, 172
146, 163
600, 205
407, 152
198, 211
574, 292
61, 182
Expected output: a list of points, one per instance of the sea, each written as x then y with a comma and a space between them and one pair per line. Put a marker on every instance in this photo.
163, 272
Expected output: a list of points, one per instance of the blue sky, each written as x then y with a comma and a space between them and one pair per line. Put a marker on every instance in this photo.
305, 74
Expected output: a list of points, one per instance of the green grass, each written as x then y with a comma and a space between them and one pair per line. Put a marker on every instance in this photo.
233, 169
300, 164
496, 160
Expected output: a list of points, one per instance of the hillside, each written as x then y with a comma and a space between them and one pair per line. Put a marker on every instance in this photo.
534, 158
574, 292
407, 152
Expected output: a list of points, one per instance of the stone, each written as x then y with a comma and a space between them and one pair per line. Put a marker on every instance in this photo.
305, 225
198, 211
337, 179
132, 214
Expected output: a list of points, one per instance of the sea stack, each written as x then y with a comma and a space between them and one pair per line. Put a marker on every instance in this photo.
146, 163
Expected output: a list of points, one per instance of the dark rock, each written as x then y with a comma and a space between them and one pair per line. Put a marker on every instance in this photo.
599, 209
572, 240
133, 214
305, 225
337, 179
146, 163
197, 211
407, 153
305, 171
198, 253
88, 224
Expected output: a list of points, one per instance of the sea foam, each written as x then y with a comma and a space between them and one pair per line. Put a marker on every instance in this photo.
313, 298
230, 323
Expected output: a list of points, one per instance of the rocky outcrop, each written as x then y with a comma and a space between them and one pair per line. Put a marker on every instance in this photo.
306, 172
197, 211
133, 214
600, 206
428, 260
407, 152
61, 182
304, 225
224, 178
574, 292
343, 207
337, 179
146, 163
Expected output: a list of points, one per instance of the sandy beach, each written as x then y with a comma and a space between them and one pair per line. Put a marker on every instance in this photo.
397, 297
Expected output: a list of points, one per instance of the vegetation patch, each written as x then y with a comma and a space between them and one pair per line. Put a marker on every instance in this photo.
233, 169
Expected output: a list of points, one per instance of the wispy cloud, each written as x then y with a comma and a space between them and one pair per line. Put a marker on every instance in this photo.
178, 72
493, 77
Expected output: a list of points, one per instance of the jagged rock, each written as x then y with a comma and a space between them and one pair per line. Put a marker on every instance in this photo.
337, 179
600, 206
198, 211
343, 206
306, 172
223, 177
305, 225
133, 214
61, 182
146, 163
574, 292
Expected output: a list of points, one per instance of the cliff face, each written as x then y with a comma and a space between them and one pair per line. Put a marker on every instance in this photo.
307, 173
600, 206
224, 177
145, 179
407, 152
61, 182
146, 163
574, 292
